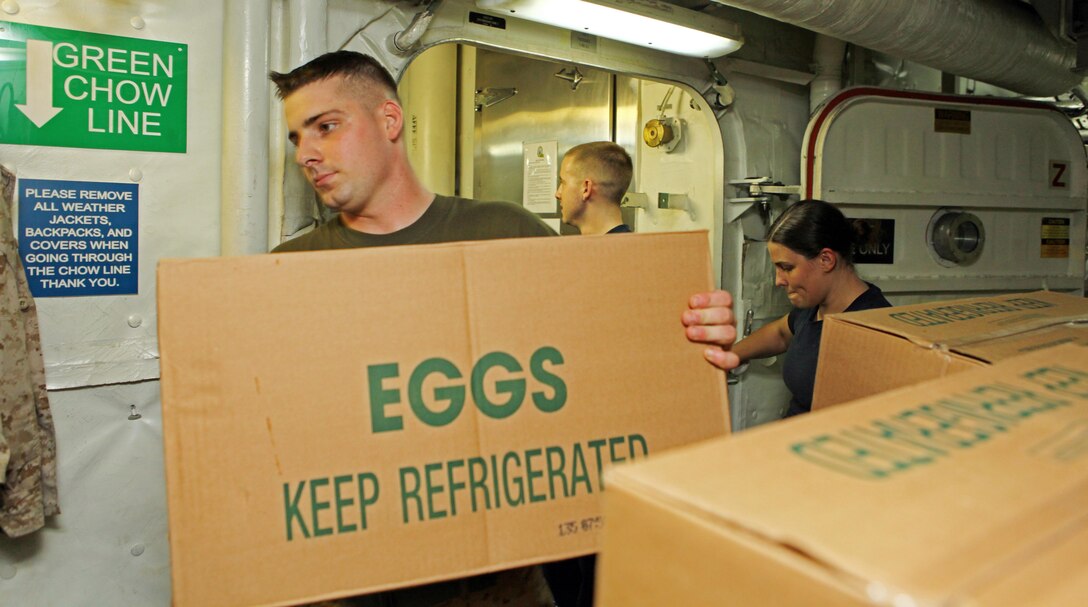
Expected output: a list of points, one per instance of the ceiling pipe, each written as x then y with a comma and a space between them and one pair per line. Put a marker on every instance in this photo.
406, 40
1003, 43
827, 57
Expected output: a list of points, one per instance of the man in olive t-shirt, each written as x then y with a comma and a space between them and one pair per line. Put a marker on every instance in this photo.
347, 126
447, 219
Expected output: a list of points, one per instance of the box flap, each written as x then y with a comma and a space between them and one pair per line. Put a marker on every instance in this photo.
933, 492
958, 323
347, 421
993, 350
854, 363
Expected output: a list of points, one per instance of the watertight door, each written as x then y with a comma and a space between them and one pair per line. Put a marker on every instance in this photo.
960, 195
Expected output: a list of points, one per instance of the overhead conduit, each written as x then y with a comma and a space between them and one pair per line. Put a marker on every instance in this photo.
1003, 43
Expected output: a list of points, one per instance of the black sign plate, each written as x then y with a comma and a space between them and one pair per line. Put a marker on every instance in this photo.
488, 20
876, 241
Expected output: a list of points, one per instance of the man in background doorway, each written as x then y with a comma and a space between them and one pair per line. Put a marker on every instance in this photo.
593, 178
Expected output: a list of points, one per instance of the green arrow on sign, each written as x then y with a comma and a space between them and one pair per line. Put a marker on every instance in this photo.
39, 83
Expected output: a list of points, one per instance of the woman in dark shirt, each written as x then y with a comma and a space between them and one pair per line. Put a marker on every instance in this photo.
811, 245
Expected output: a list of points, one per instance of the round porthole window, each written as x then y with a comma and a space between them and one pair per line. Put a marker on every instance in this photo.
957, 237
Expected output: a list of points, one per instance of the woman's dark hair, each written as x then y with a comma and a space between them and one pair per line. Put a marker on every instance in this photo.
810, 226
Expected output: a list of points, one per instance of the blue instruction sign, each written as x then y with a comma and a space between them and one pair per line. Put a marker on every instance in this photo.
79, 237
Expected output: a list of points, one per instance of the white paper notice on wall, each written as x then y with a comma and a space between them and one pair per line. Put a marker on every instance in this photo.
540, 170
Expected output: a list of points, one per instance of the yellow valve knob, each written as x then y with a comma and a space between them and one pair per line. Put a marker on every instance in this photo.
656, 132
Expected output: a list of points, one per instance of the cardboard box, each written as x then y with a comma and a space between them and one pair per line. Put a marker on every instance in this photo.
869, 352
351, 421
966, 490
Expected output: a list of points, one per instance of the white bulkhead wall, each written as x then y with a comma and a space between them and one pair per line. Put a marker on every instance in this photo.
109, 544
111, 339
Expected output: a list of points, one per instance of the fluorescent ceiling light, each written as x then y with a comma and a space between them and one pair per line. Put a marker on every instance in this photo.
648, 23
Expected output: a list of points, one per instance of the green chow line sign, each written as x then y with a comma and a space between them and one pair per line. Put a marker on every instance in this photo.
67, 88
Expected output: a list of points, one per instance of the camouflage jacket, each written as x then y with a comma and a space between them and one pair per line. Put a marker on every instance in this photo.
28, 448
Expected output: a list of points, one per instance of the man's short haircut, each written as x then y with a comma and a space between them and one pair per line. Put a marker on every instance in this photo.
607, 164
357, 68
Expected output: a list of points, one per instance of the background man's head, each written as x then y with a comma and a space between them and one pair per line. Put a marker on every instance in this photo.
592, 173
